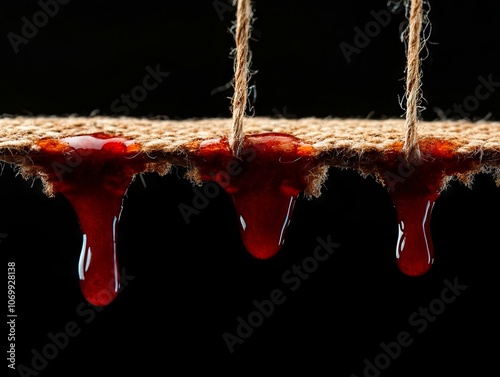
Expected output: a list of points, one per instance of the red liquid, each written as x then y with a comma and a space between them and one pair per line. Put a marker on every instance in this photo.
93, 172
415, 249
414, 189
264, 184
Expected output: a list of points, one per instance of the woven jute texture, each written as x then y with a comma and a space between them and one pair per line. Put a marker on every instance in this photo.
359, 144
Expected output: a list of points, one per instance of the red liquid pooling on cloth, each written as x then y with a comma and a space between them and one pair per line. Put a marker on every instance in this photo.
414, 189
264, 184
93, 172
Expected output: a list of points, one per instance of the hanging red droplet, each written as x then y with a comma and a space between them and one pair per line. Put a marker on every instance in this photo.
93, 172
415, 249
264, 184
414, 189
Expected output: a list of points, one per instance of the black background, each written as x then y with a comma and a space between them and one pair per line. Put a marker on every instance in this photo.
192, 281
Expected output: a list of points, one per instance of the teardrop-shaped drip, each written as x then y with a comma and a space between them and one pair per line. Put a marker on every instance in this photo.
415, 249
98, 215
264, 219
413, 196
93, 173
414, 189
264, 184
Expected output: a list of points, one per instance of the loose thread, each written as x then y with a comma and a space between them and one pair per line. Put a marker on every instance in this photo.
241, 74
411, 149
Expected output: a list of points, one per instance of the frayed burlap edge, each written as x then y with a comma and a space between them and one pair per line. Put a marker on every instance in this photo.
359, 144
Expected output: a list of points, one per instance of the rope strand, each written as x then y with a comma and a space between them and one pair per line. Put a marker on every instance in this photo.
241, 74
411, 148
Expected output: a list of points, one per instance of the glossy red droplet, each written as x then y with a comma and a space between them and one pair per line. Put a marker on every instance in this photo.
264, 184
93, 172
414, 189
415, 249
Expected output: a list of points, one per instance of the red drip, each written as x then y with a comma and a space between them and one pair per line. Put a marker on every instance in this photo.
414, 189
415, 249
93, 172
264, 184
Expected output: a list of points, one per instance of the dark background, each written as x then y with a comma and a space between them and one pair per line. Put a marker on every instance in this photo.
191, 282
